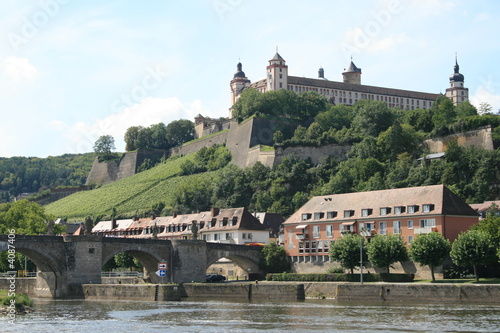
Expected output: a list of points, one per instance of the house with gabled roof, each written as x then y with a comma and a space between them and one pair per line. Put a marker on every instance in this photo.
407, 212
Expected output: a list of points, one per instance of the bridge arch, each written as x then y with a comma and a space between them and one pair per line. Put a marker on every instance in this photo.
245, 257
50, 277
149, 257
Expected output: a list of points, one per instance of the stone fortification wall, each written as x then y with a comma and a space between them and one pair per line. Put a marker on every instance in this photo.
110, 171
192, 147
480, 138
314, 153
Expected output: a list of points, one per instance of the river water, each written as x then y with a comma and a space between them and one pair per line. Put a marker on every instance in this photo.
190, 315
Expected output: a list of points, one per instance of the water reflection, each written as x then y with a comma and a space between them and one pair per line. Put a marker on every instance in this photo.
240, 316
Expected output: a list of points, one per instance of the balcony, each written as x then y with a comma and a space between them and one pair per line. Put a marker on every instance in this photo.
302, 236
424, 230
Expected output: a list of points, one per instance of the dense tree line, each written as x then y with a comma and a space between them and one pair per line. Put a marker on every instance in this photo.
386, 144
159, 136
32, 174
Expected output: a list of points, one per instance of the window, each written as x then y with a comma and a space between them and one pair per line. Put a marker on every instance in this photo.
427, 208
399, 210
396, 225
250, 236
329, 231
410, 239
319, 216
205, 237
331, 215
369, 226
216, 237
366, 212
385, 210
326, 244
235, 220
244, 236
306, 216
348, 213
427, 223
316, 231
313, 247
320, 246
301, 247
412, 209
382, 228
410, 224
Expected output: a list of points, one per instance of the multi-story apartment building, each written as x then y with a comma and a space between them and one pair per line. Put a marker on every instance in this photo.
407, 212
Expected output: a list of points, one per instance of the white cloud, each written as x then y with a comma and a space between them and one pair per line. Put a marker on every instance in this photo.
484, 94
19, 70
81, 136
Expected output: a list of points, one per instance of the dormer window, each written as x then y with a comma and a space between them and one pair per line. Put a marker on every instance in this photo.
348, 213
385, 210
331, 215
366, 212
234, 221
427, 208
399, 210
306, 216
412, 209
319, 216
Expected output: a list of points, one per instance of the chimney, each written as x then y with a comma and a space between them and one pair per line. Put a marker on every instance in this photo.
214, 211
175, 215
114, 225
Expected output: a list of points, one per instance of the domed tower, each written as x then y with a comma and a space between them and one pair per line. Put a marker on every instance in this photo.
238, 83
457, 92
321, 73
352, 74
277, 73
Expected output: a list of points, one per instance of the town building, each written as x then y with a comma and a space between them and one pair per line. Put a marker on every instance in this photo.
231, 225
347, 92
407, 212
487, 207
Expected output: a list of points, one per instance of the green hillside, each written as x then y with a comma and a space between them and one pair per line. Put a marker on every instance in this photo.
128, 195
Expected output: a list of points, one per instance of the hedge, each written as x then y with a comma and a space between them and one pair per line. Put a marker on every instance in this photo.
340, 277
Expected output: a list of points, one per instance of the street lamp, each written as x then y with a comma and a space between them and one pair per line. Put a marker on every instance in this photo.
361, 259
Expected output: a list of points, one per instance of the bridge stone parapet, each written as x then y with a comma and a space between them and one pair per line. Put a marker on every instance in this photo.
63, 262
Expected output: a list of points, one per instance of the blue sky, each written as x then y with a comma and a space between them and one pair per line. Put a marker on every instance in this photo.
73, 70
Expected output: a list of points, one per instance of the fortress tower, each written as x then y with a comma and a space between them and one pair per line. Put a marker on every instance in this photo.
238, 83
277, 73
457, 92
352, 74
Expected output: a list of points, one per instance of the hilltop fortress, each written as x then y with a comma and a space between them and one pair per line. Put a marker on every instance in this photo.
251, 141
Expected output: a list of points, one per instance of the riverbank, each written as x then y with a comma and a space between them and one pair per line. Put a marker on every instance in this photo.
289, 291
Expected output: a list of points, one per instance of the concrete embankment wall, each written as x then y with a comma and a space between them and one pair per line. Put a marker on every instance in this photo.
273, 291
143, 292
403, 292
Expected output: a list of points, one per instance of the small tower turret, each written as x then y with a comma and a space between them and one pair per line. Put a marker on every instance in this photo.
352, 74
457, 92
277, 73
321, 73
238, 83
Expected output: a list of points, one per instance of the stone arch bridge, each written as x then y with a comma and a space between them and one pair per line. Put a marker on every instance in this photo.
66, 261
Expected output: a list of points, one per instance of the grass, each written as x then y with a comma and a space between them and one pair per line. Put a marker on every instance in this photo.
22, 300
129, 195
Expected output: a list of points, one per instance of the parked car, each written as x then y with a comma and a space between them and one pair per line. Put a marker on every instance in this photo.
215, 278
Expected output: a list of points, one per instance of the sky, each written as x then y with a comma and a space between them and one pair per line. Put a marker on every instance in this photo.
73, 70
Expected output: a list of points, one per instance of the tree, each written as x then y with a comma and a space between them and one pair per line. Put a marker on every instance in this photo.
491, 226
179, 131
104, 147
473, 248
132, 138
485, 108
443, 112
465, 109
346, 251
274, 259
383, 251
430, 249
26, 217
371, 117
398, 139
